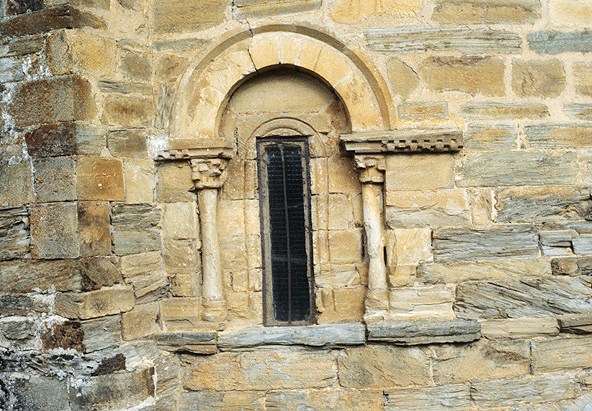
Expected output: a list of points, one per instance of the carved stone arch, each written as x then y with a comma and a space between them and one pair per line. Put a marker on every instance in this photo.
215, 74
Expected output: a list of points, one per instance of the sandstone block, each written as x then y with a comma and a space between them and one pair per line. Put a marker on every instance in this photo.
571, 13
418, 172
144, 273
93, 304
418, 110
100, 334
534, 204
519, 327
325, 400
411, 246
100, 271
343, 177
482, 11
185, 15
138, 177
263, 369
346, 246
127, 143
325, 335
181, 257
136, 66
79, 51
498, 137
420, 302
94, 229
179, 221
352, 11
195, 342
16, 183
65, 139
502, 270
538, 78
135, 228
559, 136
468, 244
407, 209
402, 78
579, 111
173, 183
526, 298
128, 111
24, 276
14, 233
492, 110
181, 314
379, 366
572, 266
555, 42
258, 8
99, 179
583, 78
423, 332
55, 179
483, 360
422, 39
56, 99
455, 396
54, 231
114, 391
222, 401
341, 304
518, 168
516, 392
140, 322
47, 19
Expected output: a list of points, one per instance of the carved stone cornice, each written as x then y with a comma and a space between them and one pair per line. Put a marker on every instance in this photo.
370, 167
442, 140
208, 172
195, 153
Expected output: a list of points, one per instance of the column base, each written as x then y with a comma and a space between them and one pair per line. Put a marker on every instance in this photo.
377, 305
214, 310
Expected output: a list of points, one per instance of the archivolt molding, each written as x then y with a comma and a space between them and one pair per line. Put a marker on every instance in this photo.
214, 75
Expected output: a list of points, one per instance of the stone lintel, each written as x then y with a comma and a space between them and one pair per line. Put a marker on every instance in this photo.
424, 332
324, 335
442, 140
203, 342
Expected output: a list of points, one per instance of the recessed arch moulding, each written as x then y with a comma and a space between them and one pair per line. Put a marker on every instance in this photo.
216, 73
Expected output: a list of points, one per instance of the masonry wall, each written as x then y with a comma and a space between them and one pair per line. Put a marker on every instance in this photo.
488, 249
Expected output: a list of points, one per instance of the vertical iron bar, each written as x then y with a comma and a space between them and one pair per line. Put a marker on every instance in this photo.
287, 220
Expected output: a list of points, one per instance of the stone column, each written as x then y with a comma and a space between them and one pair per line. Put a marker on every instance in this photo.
208, 177
371, 173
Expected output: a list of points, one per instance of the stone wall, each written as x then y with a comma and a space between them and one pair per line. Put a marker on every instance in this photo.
486, 244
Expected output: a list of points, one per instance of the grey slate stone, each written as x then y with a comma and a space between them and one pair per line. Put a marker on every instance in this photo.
579, 323
439, 398
135, 228
555, 42
559, 135
336, 334
424, 332
102, 333
582, 245
421, 39
110, 86
23, 276
561, 353
572, 266
558, 238
488, 110
24, 303
491, 137
257, 8
197, 342
40, 394
14, 232
579, 111
451, 244
525, 298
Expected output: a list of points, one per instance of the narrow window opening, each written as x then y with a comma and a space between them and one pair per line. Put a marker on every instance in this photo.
286, 235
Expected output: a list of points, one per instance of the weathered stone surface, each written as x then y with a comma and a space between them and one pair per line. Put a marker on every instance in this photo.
222, 401
54, 18
79, 51
483, 360
55, 179
114, 391
16, 182
559, 135
317, 336
67, 335
423, 331
99, 179
93, 304
10, 70
135, 228
127, 111
123, 87
144, 273
136, 66
183, 314
23, 6
518, 168
555, 42
525, 298
54, 231
484, 11
421, 302
419, 172
583, 78
39, 393
17, 328
469, 244
24, 276
489, 110
257, 8
185, 15
460, 271
56, 99
196, 342
325, 400
579, 111
22, 46
572, 266
535, 204
100, 271
93, 229
346, 246
582, 244
580, 323
408, 246
557, 238
422, 39
65, 139
100, 334
263, 369
515, 392
378, 366
444, 397
174, 183
418, 110
341, 304
14, 233
140, 322
538, 78
498, 137
402, 78
519, 327
138, 176
426, 209
22, 304
127, 143
352, 11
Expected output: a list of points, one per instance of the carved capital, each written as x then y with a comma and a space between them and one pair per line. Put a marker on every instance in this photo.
370, 168
208, 172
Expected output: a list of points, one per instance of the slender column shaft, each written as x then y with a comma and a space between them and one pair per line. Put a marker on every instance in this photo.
374, 229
